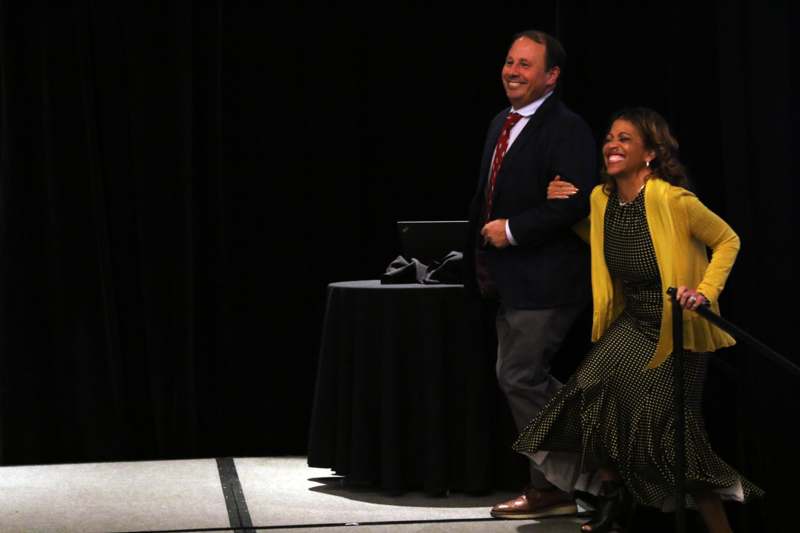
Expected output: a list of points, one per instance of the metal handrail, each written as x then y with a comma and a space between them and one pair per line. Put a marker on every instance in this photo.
761, 348
678, 355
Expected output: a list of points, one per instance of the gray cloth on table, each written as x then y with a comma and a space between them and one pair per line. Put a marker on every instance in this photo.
446, 271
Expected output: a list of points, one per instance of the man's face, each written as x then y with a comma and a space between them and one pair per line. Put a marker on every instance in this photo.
524, 74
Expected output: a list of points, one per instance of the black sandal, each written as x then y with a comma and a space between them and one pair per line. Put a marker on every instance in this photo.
611, 505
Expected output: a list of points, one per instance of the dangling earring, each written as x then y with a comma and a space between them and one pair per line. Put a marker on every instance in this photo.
647, 164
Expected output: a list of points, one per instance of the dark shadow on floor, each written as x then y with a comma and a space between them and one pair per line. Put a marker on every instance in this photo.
334, 486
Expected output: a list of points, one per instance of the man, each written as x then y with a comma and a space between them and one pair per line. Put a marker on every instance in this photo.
524, 253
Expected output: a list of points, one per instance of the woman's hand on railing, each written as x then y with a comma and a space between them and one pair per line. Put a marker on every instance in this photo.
559, 189
689, 298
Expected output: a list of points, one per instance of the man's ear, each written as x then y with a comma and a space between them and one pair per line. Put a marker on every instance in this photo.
553, 75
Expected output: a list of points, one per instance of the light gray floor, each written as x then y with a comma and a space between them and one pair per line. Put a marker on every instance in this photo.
280, 492
103, 497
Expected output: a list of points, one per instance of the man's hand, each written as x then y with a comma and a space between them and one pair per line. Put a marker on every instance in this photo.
494, 233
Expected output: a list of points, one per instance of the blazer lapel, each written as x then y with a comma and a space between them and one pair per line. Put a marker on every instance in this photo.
542, 114
494, 133
535, 121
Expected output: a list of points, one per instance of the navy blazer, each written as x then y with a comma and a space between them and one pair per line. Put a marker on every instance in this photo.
549, 266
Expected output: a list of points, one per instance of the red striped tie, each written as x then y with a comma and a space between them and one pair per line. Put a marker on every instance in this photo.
499, 154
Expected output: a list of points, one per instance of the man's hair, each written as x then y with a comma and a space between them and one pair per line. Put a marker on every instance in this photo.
556, 56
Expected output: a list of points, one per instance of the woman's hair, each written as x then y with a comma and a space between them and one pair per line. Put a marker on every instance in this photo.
657, 137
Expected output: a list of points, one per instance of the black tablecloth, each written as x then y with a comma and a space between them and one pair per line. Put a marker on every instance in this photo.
406, 396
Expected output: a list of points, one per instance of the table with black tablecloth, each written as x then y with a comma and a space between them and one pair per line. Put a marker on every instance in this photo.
406, 397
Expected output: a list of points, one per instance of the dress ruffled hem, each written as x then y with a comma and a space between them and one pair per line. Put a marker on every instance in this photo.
562, 470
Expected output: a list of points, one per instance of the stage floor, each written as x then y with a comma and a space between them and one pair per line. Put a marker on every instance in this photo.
241, 494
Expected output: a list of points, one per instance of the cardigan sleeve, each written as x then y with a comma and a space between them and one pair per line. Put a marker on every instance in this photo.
708, 228
581, 229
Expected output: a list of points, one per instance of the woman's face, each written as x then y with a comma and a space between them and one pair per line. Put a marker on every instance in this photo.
624, 152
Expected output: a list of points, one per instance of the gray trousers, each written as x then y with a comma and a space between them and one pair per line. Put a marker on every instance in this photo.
527, 339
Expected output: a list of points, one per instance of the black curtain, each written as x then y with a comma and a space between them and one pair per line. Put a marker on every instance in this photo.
180, 182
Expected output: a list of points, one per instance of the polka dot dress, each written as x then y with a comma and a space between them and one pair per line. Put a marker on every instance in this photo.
614, 411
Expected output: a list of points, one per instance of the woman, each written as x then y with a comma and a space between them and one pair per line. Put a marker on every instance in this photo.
610, 430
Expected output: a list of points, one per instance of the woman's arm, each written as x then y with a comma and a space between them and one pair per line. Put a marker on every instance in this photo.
708, 228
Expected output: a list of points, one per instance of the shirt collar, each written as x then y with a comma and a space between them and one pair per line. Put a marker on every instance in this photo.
528, 110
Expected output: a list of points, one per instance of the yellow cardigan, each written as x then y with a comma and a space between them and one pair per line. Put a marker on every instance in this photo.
681, 227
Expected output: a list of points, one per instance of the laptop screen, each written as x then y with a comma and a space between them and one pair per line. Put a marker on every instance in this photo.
431, 240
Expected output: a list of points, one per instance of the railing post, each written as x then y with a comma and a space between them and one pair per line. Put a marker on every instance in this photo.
680, 413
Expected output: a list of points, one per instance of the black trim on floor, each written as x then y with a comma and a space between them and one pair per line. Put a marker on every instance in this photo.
238, 515
385, 523
357, 524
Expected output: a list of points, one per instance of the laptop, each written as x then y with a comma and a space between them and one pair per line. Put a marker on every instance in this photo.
431, 240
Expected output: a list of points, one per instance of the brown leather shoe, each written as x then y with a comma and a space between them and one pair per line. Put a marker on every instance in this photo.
536, 503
